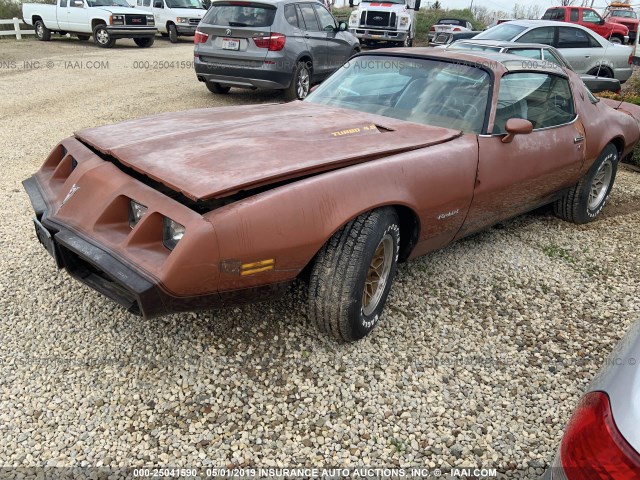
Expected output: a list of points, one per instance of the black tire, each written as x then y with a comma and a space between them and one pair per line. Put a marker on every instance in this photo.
42, 33
83, 38
173, 33
616, 39
102, 37
217, 88
581, 204
144, 42
602, 71
339, 273
407, 41
300, 82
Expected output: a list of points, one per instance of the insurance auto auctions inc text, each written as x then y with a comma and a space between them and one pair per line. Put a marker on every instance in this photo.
368, 473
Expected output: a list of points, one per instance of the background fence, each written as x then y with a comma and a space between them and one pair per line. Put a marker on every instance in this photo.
16, 28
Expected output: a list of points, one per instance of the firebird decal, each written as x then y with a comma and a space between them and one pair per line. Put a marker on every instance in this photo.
74, 189
442, 216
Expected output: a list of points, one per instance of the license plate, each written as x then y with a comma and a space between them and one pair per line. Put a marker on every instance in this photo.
46, 240
230, 44
376, 36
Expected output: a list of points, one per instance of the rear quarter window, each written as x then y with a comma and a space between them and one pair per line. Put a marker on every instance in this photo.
240, 14
291, 15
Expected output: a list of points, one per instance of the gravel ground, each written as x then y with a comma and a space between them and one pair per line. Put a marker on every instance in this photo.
482, 355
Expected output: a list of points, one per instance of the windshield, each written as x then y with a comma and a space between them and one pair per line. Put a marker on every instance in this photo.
504, 32
184, 4
430, 92
240, 14
624, 14
108, 3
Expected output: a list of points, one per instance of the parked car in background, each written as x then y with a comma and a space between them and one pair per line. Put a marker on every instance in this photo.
589, 18
448, 25
543, 54
623, 14
392, 22
585, 51
106, 20
174, 18
498, 22
277, 44
399, 153
602, 439
443, 39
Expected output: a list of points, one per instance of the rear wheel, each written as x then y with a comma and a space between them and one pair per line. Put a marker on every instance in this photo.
602, 71
144, 42
586, 199
352, 274
42, 33
217, 88
83, 38
300, 84
102, 37
173, 33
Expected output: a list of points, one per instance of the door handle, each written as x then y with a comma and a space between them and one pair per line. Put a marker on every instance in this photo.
587, 56
578, 139
306, 35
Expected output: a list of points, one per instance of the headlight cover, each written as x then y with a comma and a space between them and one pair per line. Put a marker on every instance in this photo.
404, 21
182, 20
136, 212
117, 20
172, 233
353, 19
150, 20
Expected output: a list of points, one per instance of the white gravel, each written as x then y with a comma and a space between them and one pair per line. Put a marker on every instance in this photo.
482, 355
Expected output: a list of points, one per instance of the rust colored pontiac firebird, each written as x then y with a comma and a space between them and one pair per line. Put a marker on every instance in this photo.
398, 153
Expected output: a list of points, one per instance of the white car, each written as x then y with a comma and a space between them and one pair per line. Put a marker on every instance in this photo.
106, 20
586, 51
174, 17
449, 25
392, 21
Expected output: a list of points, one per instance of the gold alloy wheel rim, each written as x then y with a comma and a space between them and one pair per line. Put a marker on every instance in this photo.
377, 275
600, 185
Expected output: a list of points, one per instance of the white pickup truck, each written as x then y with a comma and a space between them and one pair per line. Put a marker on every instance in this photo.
391, 21
106, 20
174, 17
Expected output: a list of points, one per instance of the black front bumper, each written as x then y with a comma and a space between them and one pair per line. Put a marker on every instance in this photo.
127, 286
131, 32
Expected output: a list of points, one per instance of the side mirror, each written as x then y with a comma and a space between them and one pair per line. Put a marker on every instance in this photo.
516, 126
602, 21
342, 26
417, 7
78, 3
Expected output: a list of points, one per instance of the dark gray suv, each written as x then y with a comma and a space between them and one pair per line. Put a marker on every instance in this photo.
275, 44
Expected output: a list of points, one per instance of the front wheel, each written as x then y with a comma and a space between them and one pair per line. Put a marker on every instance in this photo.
42, 32
173, 33
585, 200
300, 83
102, 37
352, 275
144, 42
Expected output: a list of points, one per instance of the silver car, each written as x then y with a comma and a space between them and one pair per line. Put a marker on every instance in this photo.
276, 44
586, 51
538, 54
602, 439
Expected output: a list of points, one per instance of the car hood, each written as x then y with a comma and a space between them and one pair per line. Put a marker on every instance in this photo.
216, 152
189, 12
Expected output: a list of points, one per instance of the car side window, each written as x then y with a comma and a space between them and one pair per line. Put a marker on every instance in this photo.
327, 22
593, 43
554, 14
590, 16
72, 3
526, 52
574, 16
309, 17
542, 35
548, 56
543, 99
569, 37
147, 3
63, 3
291, 15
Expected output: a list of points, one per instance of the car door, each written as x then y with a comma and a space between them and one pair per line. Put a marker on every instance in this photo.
77, 16
296, 33
592, 20
518, 176
315, 37
579, 48
338, 46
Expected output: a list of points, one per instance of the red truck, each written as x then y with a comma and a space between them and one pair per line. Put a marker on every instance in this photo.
589, 18
623, 14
